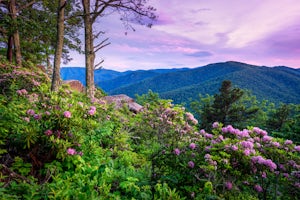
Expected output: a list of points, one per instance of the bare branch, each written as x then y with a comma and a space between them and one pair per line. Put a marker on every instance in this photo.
97, 65
101, 45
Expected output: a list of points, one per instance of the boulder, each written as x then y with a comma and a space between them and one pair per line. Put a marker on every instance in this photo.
120, 100
75, 85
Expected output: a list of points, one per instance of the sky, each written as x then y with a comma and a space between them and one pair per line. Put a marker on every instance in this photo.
195, 33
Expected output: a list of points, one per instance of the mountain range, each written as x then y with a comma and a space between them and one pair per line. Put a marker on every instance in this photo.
276, 84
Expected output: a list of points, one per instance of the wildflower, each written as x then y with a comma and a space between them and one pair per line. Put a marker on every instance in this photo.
288, 142
47, 113
37, 116
207, 156
276, 144
202, 131
264, 175
191, 117
247, 152
258, 188
80, 153
22, 92
215, 125
30, 112
266, 138
192, 146
177, 151
234, 148
247, 144
48, 132
228, 185
91, 112
67, 114
208, 136
80, 104
71, 151
191, 164
26, 119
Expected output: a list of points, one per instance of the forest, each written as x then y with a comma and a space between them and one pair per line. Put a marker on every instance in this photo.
57, 143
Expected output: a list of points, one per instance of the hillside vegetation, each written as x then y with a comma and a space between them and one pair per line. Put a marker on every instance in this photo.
63, 145
276, 84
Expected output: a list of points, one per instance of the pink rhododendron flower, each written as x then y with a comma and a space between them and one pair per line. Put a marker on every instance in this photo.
71, 151
234, 148
30, 112
215, 125
258, 188
266, 138
297, 148
247, 152
288, 142
177, 151
48, 132
27, 119
67, 114
192, 145
228, 185
191, 164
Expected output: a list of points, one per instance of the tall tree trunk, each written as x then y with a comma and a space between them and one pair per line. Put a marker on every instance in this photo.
59, 45
89, 49
9, 52
16, 36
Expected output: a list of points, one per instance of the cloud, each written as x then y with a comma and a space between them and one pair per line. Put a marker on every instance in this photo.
200, 54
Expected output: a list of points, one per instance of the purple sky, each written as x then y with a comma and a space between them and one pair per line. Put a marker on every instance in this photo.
194, 33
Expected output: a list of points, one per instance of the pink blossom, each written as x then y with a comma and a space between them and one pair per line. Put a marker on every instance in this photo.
215, 125
22, 92
37, 116
80, 104
208, 136
228, 185
27, 119
288, 142
191, 164
207, 156
71, 151
177, 151
192, 146
47, 113
247, 144
30, 112
264, 175
276, 144
247, 152
48, 132
297, 148
191, 117
67, 114
258, 188
91, 112
266, 138
234, 148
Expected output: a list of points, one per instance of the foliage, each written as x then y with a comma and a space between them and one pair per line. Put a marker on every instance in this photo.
62, 145
229, 106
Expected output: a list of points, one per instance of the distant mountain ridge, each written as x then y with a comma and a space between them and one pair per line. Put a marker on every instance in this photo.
277, 84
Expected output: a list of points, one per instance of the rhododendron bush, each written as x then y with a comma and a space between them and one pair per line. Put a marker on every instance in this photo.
62, 145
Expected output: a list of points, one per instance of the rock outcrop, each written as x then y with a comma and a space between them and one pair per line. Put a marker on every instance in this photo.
120, 100
75, 85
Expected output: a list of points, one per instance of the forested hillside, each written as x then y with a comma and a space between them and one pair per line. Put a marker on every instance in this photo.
277, 84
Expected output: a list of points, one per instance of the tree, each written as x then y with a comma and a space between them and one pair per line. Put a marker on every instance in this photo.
59, 44
131, 10
229, 106
13, 10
